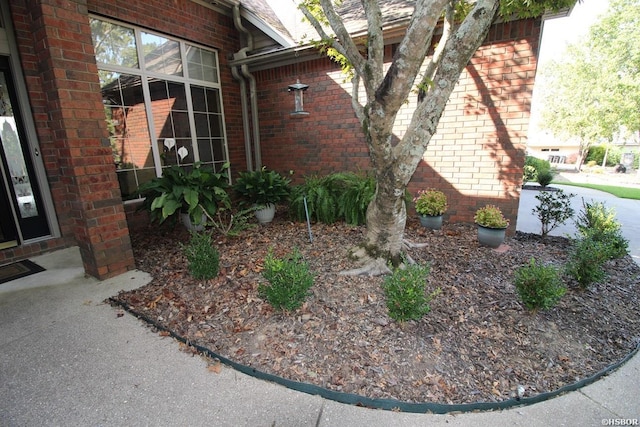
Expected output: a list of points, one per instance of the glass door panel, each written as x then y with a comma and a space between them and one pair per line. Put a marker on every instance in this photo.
18, 173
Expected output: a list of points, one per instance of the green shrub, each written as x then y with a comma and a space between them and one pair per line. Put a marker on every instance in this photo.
533, 166
614, 245
545, 177
321, 200
539, 286
586, 261
289, 281
355, 196
203, 257
596, 215
342, 195
597, 155
530, 174
554, 208
598, 223
405, 292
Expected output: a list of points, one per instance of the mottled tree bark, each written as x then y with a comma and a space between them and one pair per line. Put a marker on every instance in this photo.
394, 165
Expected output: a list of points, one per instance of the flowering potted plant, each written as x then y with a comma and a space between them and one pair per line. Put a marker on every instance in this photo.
430, 204
492, 225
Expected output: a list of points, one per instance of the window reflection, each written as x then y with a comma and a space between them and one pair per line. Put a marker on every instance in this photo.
147, 108
161, 55
114, 44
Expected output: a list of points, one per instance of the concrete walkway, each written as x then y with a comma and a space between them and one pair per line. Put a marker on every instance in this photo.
68, 359
627, 213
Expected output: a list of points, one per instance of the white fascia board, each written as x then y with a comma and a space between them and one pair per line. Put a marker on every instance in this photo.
265, 28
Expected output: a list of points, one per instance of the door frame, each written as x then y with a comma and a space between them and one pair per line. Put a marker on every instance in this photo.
9, 48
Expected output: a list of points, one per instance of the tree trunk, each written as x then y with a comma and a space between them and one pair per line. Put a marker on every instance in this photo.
386, 220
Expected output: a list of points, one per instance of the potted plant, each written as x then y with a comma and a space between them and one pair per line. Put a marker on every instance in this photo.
262, 188
430, 204
492, 226
192, 193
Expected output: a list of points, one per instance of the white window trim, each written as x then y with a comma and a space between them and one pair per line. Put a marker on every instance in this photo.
184, 79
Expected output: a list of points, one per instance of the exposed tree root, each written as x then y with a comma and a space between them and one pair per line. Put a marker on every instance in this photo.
371, 267
378, 266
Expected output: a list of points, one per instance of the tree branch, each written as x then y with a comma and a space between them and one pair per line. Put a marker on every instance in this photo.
375, 41
355, 101
348, 46
399, 79
458, 50
432, 66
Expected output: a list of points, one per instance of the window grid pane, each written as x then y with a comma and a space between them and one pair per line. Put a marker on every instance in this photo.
126, 111
202, 64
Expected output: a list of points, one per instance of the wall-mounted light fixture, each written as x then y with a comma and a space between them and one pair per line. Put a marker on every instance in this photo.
297, 89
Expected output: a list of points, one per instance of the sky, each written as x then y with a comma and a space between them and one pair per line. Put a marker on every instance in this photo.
557, 34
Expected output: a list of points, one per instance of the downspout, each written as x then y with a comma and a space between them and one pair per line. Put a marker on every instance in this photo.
245, 117
244, 70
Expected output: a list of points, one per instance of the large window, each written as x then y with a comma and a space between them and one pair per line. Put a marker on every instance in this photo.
162, 101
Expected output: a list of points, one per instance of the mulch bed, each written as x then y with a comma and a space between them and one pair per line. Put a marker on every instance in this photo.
477, 344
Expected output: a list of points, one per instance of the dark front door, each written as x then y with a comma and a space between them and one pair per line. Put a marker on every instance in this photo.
21, 206
8, 232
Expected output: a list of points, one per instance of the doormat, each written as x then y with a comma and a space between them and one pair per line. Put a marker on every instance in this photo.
18, 269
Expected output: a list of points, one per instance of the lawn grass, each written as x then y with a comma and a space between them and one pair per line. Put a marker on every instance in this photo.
622, 192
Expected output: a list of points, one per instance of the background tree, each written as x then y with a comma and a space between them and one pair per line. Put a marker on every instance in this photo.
593, 94
386, 89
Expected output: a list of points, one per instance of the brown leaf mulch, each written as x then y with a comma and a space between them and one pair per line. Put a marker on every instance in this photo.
478, 343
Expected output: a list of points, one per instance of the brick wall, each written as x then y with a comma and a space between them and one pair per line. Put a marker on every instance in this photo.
477, 155
72, 134
54, 40
192, 22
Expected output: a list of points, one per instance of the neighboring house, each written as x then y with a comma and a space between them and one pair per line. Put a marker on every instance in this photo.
193, 80
565, 154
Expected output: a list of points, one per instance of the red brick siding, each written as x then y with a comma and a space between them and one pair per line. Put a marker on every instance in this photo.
87, 197
57, 57
477, 155
195, 23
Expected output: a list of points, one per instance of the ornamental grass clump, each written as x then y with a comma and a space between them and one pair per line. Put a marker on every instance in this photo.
430, 202
202, 256
539, 286
490, 216
405, 292
289, 281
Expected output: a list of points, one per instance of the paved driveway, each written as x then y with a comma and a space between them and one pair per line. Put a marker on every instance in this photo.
627, 213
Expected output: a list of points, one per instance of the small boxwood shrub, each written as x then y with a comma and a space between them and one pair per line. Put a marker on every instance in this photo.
203, 257
586, 261
405, 292
545, 177
532, 166
289, 281
539, 286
